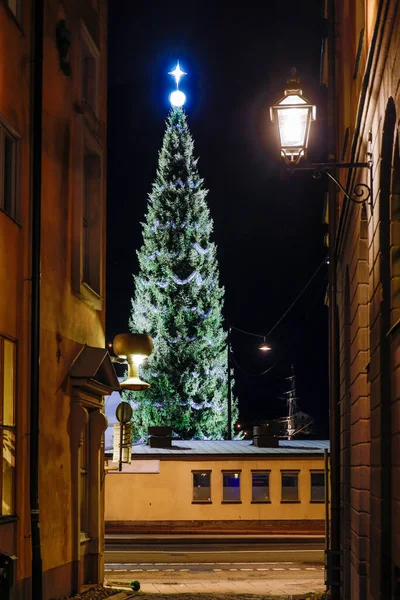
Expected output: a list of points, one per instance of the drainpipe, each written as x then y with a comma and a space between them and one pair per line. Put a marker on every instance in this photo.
334, 413
36, 149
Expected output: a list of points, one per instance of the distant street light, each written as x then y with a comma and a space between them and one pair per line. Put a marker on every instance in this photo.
264, 347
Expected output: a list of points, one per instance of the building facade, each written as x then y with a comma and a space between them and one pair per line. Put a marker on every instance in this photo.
225, 486
365, 92
54, 369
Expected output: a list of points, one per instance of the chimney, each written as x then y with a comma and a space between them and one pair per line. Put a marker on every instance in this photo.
160, 436
265, 436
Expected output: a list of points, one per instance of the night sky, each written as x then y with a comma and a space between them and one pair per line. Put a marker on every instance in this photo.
268, 224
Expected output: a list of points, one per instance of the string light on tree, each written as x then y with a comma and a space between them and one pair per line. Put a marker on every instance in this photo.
177, 97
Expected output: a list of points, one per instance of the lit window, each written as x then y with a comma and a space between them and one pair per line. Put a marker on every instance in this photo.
318, 486
290, 487
8, 172
201, 486
260, 486
7, 426
231, 486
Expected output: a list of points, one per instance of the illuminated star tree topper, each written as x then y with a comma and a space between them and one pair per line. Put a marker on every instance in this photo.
177, 97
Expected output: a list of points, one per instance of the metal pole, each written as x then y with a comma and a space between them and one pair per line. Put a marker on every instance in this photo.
229, 386
334, 393
121, 430
36, 136
326, 498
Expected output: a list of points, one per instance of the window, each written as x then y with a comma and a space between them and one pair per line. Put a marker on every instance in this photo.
91, 221
7, 426
260, 486
15, 7
317, 486
89, 71
201, 486
231, 486
88, 218
290, 487
8, 172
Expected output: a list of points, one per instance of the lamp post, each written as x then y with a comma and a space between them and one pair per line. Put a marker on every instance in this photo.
229, 384
264, 347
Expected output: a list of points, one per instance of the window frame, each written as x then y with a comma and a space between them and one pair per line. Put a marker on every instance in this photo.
317, 472
18, 14
89, 49
87, 144
6, 131
290, 473
233, 472
201, 472
11, 428
260, 472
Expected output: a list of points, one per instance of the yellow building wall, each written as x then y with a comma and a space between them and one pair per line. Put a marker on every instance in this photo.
62, 312
168, 495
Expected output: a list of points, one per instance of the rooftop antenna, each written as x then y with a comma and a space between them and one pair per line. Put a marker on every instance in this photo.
291, 401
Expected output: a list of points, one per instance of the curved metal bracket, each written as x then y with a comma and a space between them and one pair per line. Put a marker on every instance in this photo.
361, 192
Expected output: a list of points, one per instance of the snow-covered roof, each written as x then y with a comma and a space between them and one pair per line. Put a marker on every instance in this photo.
236, 448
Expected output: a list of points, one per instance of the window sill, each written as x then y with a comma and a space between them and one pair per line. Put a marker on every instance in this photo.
8, 519
86, 294
201, 502
231, 502
290, 501
317, 501
261, 502
394, 328
13, 219
17, 20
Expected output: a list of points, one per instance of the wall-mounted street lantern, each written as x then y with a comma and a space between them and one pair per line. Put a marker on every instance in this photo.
132, 349
293, 115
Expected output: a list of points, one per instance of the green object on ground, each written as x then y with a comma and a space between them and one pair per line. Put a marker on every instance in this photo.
135, 585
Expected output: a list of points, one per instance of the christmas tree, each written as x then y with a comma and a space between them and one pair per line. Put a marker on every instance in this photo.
178, 300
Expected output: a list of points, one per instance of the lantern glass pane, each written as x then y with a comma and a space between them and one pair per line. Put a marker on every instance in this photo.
292, 127
293, 99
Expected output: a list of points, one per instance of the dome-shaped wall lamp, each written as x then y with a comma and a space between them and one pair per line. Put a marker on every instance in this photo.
293, 115
132, 349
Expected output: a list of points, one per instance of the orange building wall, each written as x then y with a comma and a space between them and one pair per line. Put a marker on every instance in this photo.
62, 312
369, 355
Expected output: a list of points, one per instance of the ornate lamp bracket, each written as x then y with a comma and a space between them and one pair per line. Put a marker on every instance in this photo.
361, 192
